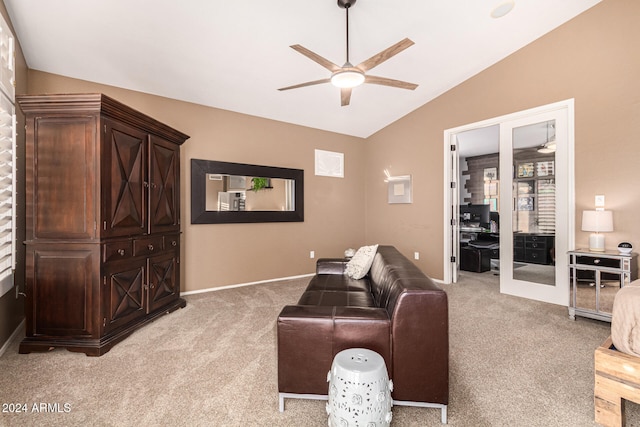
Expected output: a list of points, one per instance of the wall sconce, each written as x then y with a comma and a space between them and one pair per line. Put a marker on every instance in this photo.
597, 222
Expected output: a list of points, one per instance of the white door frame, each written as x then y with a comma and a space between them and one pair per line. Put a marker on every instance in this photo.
450, 139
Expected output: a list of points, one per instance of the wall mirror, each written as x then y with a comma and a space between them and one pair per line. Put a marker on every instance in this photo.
223, 192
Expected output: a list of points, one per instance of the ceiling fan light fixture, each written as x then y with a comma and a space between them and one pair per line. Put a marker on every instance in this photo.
548, 148
347, 78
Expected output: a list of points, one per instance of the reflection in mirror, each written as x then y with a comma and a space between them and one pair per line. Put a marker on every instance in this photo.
223, 192
534, 215
247, 193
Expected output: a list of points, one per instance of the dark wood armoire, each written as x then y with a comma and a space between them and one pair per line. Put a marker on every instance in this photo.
103, 221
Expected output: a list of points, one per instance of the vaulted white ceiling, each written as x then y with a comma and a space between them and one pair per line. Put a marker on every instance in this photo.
234, 55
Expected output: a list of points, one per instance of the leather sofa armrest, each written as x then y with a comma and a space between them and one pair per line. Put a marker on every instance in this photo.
331, 265
309, 337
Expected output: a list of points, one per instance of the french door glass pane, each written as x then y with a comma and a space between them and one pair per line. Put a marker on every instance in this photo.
534, 204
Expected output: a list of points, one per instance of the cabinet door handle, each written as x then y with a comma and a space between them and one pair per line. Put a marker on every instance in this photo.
174, 243
150, 247
145, 184
121, 252
596, 261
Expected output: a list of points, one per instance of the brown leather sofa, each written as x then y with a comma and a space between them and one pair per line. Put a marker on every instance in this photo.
395, 311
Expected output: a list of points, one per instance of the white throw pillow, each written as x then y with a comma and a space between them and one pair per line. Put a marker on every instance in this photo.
359, 265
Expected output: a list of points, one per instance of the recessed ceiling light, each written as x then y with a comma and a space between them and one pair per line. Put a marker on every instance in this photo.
502, 9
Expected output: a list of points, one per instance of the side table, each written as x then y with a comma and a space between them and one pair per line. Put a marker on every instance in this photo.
359, 390
595, 278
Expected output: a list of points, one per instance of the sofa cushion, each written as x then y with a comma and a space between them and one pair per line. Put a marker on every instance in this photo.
388, 266
359, 265
337, 282
331, 265
337, 298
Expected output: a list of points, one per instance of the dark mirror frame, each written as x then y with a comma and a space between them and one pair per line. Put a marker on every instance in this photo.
199, 214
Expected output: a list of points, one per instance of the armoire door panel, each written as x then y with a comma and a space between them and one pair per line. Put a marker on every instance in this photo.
163, 280
62, 291
62, 161
124, 298
124, 195
164, 189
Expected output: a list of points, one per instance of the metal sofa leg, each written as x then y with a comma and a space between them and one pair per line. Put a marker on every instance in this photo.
443, 408
282, 396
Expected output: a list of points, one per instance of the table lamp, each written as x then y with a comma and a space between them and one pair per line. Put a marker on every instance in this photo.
597, 222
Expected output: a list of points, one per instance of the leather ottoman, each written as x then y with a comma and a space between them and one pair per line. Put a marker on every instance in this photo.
475, 259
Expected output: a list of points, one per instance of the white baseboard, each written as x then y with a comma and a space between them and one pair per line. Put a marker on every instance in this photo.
200, 291
14, 335
239, 285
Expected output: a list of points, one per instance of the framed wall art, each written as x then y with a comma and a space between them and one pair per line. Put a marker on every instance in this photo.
329, 163
525, 170
400, 189
490, 174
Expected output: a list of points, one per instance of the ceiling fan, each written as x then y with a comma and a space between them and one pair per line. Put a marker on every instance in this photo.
348, 76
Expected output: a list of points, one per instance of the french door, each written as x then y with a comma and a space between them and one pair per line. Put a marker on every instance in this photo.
535, 201
536, 208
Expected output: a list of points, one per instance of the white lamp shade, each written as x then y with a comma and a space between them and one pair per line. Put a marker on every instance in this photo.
597, 221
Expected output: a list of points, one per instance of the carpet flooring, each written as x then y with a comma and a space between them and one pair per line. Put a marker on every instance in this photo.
513, 362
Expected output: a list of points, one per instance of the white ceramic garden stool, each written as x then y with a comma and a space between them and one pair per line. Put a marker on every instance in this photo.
359, 390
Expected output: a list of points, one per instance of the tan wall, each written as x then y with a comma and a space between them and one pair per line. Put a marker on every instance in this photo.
593, 58
215, 255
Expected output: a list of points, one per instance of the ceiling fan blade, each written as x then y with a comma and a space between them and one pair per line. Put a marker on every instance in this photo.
315, 82
315, 57
390, 52
345, 96
389, 82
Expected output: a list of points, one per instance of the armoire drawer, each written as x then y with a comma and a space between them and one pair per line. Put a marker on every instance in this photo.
171, 241
114, 251
148, 245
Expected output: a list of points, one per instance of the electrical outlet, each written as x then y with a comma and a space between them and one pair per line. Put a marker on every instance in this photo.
312, 254
416, 255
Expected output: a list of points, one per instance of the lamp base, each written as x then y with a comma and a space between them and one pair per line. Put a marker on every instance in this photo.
596, 242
